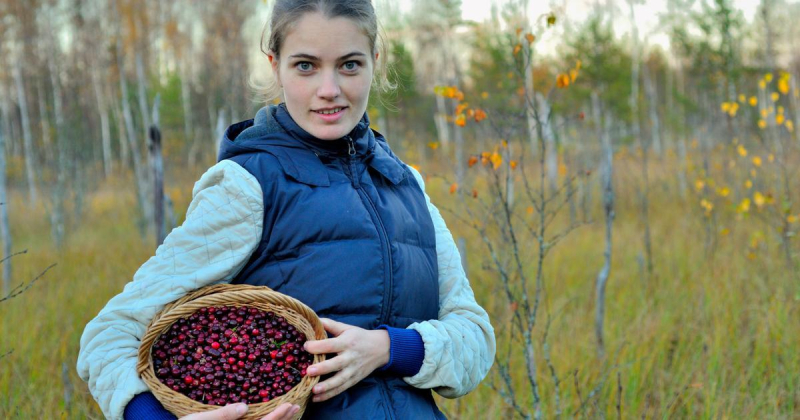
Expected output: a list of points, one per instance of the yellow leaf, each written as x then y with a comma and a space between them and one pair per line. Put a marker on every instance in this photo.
742, 98
779, 119
764, 113
753, 101
762, 84
484, 95
562, 169
562, 81
725, 232
781, 110
433, 145
792, 218
573, 74
762, 124
503, 143
519, 31
699, 185
724, 191
742, 151
748, 184
416, 167
768, 77
783, 86
472, 161
529, 210
461, 107
744, 206
513, 164
753, 173
725, 106
789, 125
497, 160
756, 161
453, 188
775, 96
530, 38
771, 158
517, 48
758, 199
480, 115
461, 120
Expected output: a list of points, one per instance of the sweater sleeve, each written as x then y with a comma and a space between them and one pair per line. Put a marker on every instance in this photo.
460, 345
223, 227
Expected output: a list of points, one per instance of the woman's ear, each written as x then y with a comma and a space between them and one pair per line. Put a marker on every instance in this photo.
273, 60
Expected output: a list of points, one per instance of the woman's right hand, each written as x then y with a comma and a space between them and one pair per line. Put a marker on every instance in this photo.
234, 411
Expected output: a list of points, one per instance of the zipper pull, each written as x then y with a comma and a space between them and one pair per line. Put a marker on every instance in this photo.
351, 146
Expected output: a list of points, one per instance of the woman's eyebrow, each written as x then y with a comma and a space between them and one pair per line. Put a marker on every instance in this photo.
315, 58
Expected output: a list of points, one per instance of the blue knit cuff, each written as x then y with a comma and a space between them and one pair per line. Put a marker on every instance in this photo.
406, 351
146, 406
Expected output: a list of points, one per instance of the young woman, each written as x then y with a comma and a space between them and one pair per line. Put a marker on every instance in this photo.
308, 200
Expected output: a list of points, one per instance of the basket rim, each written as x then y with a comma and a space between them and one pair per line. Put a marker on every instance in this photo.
260, 297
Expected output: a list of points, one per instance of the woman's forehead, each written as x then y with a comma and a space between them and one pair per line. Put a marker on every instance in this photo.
319, 36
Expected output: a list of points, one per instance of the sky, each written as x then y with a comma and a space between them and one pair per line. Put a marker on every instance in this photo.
647, 14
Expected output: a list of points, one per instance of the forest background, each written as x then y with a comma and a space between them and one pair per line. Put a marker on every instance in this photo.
626, 209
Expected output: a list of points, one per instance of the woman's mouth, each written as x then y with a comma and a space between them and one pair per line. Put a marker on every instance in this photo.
331, 114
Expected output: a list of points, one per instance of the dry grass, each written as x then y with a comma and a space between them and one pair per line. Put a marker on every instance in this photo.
704, 338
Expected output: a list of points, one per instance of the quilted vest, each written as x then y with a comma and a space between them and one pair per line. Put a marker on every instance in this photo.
346, 231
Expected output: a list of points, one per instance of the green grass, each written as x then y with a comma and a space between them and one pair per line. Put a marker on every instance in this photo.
703, 338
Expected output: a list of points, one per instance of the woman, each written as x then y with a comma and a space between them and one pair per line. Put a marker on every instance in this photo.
308, 200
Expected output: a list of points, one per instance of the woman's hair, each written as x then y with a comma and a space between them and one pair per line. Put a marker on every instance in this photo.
285, 13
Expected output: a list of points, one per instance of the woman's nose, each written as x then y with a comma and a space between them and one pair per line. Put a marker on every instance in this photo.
329, 87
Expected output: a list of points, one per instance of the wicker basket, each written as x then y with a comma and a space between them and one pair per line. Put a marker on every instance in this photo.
263, 298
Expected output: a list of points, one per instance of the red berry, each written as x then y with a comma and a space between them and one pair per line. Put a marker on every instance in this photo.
215, 345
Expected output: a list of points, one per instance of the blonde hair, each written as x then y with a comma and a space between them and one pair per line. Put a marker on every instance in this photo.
285, 13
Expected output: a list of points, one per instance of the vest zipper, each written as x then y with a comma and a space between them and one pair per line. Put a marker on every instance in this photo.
384, 237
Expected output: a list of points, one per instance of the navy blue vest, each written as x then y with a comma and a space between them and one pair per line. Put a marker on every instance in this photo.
346, 231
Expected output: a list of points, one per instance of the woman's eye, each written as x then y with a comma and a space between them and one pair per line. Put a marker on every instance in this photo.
351, 65
304, 66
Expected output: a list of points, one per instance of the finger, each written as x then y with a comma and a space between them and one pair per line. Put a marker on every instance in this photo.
283, 412
333, 382
332, 392
334, 327
229, 412
331, 365
328, 345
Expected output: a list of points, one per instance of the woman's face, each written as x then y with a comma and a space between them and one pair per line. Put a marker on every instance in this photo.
325, 69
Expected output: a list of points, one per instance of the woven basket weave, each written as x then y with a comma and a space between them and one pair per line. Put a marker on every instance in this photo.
295, 312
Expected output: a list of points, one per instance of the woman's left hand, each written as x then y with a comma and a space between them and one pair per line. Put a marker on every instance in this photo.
358, 353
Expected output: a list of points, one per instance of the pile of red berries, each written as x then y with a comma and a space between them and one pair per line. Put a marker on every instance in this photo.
223, 355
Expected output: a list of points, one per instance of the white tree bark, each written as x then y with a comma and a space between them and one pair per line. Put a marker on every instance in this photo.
22, 99
551, 158
5, 231
105, 127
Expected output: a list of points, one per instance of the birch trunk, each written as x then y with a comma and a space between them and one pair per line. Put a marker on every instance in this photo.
105, 128
44, 120
608, 208
57, 217
142, 186
551, 158
186, 99
442, 128
5, 231
652, 108
157, 165
27, 137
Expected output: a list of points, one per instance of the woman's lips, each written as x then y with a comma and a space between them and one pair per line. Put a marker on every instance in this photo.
331, 117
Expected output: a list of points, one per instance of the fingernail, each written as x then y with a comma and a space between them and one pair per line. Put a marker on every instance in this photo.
241, 409
311, 371
295, 409
318, 388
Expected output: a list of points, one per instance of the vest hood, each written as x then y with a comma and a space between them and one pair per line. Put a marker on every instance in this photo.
274, 131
